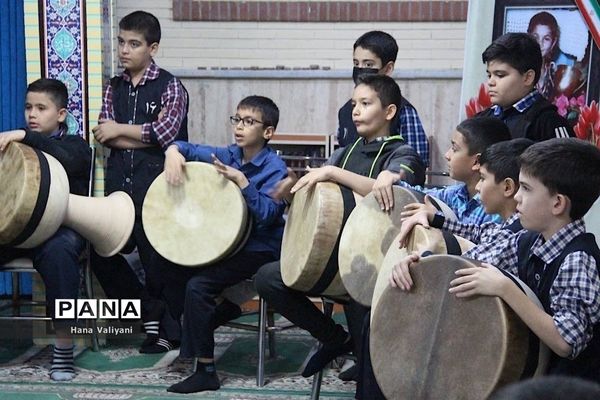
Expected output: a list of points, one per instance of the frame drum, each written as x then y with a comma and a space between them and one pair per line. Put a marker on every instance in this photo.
439, 346
310, 238
199, 222
367, 236
34, 196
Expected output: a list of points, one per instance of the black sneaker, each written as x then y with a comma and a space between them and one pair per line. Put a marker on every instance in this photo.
325, 355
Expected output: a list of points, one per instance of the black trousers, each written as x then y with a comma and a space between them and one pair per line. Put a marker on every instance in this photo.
200, 292
367, 387
57, 261
119, 281
296, 307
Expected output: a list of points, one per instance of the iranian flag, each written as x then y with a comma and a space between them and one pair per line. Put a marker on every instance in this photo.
590, 10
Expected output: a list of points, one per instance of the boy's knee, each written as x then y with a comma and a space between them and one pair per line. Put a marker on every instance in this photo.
268, 278
65, 243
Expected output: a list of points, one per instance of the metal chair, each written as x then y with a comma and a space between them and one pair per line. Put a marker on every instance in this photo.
25, 265
266, 329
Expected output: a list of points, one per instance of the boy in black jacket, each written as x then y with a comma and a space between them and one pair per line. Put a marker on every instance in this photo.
376, 101
57, 259
513, 63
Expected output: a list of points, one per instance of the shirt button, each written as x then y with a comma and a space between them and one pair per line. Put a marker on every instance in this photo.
127, 180
537, 277
130, 122
129, 150
132, 94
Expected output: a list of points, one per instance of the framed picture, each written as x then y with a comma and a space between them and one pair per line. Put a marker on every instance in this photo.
570, 75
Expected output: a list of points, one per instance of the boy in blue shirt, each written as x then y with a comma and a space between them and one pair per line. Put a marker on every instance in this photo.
554, 256
497, 186
471, 137
375, 52
256, 169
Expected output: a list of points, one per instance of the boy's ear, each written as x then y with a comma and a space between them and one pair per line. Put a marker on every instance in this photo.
268, 133
529, 77
510, 187
62, 115
153, 49
388, 68
476, 165
390, 112
562, 205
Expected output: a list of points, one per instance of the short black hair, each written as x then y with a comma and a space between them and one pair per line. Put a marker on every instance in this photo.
519, 50
266, 106
55, 89
566, 166
382, 44
144, 23
502, 159
549, 388
481, 132
386, 88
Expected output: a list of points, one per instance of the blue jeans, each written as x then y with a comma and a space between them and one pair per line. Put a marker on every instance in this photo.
57, 261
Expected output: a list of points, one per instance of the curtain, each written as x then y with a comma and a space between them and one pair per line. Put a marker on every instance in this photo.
13, 83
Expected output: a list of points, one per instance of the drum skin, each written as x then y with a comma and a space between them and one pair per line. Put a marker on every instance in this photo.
198, 222
367, 235
23, 181
313, 225
428, 344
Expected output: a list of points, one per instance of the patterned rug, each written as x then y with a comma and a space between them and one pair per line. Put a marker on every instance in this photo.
119, 371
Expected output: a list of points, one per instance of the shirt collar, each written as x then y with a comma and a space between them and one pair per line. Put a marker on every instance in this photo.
548, 251
58, 133
521, 105
150, 74
258, 160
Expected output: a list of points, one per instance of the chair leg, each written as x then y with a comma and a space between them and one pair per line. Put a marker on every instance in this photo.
271, 332
316, 385
262, 332
89, 293
16, 293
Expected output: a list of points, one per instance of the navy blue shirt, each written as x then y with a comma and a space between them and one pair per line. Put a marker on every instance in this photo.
263, 172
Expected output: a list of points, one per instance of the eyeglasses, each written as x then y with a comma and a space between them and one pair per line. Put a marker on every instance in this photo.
247, 121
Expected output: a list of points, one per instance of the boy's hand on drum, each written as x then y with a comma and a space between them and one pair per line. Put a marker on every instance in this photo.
413, 208
486, 280
234, 175
382, 189
420, 218
313, 176
400, 276
283, 187
10, 136
174, 166
106, 130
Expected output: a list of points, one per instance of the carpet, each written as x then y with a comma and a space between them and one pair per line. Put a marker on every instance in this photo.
119, 371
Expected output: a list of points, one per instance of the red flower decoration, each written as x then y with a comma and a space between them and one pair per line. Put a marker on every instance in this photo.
479, 103
588, 125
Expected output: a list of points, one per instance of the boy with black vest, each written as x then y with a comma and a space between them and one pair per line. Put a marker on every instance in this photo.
514, 61
376, 101
144, 109
554, 256
375, 52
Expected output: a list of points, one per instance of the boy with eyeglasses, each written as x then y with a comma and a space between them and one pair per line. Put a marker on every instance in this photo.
256, 169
